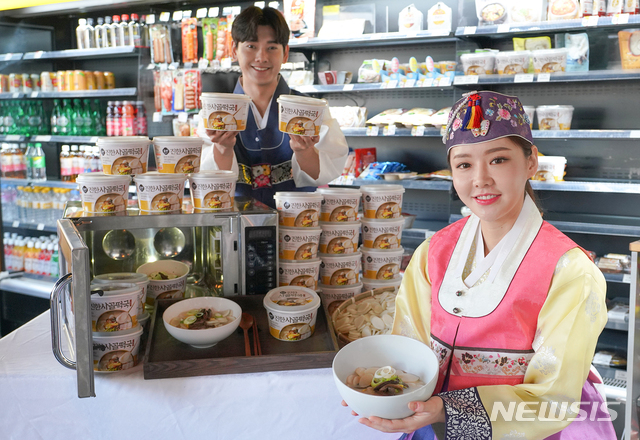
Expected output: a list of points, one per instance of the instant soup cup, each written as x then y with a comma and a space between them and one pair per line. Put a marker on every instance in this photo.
339, 205
549, 60
298, 209
400, 352
298, 243
382, 234
513, 62
160, 192
212, 190
530, 111
225, 111
333, 296
339, 238
116, 351
554, 117
381, 265
167, 279
202, 338
381, 285
481, 63
340, 270
178, 154
103, 193
292, 312
299, 273
550, 168
124, 155
117, 308
382, 201
139, 279
301, 115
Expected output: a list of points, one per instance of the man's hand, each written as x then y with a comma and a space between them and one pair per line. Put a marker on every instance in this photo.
225, 139
306, 153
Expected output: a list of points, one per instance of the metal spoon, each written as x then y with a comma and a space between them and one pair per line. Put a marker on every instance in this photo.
119, 244
246, 322
169, 242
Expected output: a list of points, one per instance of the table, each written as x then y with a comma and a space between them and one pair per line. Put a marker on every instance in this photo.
39, 401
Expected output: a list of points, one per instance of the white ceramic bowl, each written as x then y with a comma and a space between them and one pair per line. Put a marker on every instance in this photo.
401, 353
207, 337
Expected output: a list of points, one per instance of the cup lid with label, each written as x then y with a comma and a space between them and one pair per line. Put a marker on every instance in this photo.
122, 277
102, 178
295, 99
190, 140
226, 96
381, 188
291, 299
313, 196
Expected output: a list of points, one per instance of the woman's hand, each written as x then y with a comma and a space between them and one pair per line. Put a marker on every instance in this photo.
225, 140
426, 413
306, 153
303, 143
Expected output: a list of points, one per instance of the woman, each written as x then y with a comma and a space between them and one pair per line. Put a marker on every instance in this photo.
510, 305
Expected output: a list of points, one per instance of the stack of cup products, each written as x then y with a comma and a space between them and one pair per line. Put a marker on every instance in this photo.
381, 234
119, 321
340, 259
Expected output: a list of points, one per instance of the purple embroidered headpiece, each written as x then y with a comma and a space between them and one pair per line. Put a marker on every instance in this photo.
485, 116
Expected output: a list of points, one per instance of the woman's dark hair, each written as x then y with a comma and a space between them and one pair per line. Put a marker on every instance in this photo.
245, 25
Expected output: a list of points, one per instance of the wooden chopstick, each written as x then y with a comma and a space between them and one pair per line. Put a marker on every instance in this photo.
257, 349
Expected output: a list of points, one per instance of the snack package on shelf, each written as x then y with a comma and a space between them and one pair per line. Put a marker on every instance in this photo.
349, 116
416, 116
160, 44
192, 90
190, 40
300, 16
178, 91
439, 18
181, 128
615, 7
224, 30
492, 12
209, 38
410, 20
166, 91
526, 12
530, 44
364, 156
439, 118
577, 46
629, 41
563, 10
630, 7
390, 116
157, 91
369, 71
624, 260
609, 265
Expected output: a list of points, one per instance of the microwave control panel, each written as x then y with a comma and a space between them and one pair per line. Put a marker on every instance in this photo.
260, 250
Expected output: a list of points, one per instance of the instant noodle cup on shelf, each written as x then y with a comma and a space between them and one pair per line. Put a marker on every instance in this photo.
292, 312
382, 234
340, 270
512, 62
530, 111
103, 193
381, 285
333, 296
549, 60
554, 117
116, 351
563, 9
213, 189
301, 115
299, 273
225, 111
178, 154
339, 238
339, 204
298, 243
629, 41
167, 279
381, 265
139, 279
382, 201
480, 63
160, 192
298, 209
124, 155
550, 168
117, 309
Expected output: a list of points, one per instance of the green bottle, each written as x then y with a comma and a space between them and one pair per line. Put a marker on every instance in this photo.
34, 120
21, 118
64, 120
98, 123
9, 119
55, 115
2, 113
77, 120
87, 129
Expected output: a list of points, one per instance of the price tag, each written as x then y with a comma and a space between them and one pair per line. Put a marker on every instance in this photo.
626, 278
418, 84
445, 81
203, 63
94, 139
201, 13
42, 138
634, 134
38, 54
182, 117
174, 66
621, 375
440, 33
15, 95
503, 28
390, 130
151, 66
392, 84
157, 117
590, 21
259, 5
214, 12
177, 15
347, 87
164, 16
8, 57
466, 79
523, 78
544, 77
620, 19
34, 94
469, 30
428, 82
372, 130
417, 130
15, 224
188, 65
164, 66
410, 83
151, 19
40, 227
12, 137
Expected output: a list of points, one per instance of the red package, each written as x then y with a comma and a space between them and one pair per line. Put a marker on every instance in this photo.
192, 90
364, 156
190, 40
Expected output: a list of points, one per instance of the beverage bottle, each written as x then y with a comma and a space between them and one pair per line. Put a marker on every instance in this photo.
10, 120
82, 24
128, 119
144, 31
89, 127
55, 114
135, 37
46, 264
19, 163
2, 118
18, 254
66, 164
123, 31
55, 269
64, 119
98, 33
88, 35
109, 37
36, 210
8, 253
35, 259
115, 31
96, 119
75, 155
117, 119
27, 158
28, 204
45, 126
36, 162
141, 119
5, 161
20, 118
34, 119
46, 204
88, 158
110, 118
77, 120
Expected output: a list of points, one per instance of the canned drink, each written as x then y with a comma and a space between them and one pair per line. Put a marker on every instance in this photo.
68, 80
27, 83
4, 83
15, 82
100, 83
91, 80
37, 84
79, 80
60, 81
109, 80
46, 82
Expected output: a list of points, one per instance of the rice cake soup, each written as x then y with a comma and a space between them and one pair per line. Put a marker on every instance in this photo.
384, 381
202, 319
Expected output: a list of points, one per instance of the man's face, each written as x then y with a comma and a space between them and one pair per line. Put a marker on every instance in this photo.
260, 61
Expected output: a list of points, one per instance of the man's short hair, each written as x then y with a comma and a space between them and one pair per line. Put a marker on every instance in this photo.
245, 25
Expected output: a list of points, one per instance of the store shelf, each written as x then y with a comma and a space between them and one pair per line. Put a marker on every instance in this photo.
596, 187
30, 226
127, 91
374, 40
81, 53
537, 134
365, 87
47, 183
13, 138
509, 30
65, 139
594, 75
622, 278
10, 57
400, 132
40, 288
433, 185
12, 95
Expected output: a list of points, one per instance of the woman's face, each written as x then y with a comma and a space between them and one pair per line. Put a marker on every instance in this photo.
490, 179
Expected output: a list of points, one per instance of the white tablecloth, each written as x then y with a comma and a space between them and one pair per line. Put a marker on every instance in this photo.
39, 401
